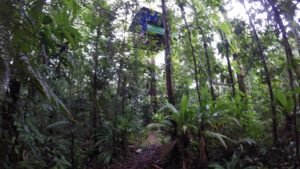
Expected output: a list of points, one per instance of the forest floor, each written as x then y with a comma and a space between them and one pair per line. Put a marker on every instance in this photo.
147, 158
144, 156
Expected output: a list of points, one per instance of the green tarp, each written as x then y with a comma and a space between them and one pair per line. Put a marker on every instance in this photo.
155, 30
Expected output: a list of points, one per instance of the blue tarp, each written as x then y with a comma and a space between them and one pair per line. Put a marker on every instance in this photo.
148, 17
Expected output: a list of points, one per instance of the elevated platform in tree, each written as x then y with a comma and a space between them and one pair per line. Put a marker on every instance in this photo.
148, 24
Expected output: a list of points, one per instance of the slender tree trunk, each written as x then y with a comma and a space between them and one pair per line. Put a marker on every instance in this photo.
152, 91
212, 92
119, 73
240, 76
285, 42
72, 149
269, 83
205, 46
168, 59
123, 95
203, 158
95, 85
226, 45
295, 27
290, 62
193, 52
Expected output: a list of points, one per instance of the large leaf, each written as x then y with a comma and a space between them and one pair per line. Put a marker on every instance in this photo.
59, 124
44, 89
218, 136
225, 27
285, 101
168, 106
280, 96
184, 104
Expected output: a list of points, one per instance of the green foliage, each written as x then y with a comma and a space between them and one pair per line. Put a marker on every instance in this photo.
233, 164
112, 140
285, 101
185, 119
44, 89
38, 149
238, 116
218, 136
85, 89
104, 144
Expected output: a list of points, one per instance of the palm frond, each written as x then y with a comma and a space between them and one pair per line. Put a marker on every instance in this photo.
58, 124
218, 136
184, 103
170, 107
44, 89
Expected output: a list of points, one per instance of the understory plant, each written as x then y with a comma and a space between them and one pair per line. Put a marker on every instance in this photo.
113, 138
182, 126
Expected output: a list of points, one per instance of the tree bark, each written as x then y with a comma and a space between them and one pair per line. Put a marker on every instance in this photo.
240, 76
119, 73
212, 92
4, 45
269, 83
8, 117
193, 52
123, 95
10, 88
168, 58
290, 62
202, 150
152, 91
226, 45
205, 46
95, 85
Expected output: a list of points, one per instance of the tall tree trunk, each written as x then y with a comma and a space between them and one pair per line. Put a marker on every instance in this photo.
226, 45
269, 83
4, 52
290, 62
168, 58
169, 79
10, 88
10, 109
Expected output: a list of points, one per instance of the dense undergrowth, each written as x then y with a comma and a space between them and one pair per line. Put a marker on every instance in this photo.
81, 89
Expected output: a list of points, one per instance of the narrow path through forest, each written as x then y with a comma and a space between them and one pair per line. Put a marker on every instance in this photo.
145, 156
148, 158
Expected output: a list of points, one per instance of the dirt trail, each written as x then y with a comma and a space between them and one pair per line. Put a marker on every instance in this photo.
148, 158
142, 158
